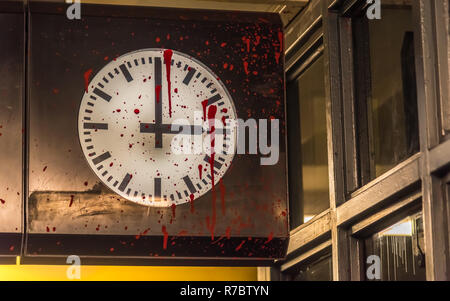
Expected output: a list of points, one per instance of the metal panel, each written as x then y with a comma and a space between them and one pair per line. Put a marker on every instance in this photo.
11, 127
71, 212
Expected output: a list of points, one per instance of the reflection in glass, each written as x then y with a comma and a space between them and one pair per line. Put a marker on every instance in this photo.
401, 250
319, 270
309, 192
394, 101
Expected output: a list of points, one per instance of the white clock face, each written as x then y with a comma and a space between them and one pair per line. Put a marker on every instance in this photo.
124, 126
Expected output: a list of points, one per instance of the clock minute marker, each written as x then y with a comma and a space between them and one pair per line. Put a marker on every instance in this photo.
157, 189
101, 158
126, 180
126, 73
102, 94
189, 184
95, 126
214, 99
217, 164
189, 76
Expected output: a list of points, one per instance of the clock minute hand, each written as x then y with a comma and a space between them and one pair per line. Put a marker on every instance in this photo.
158, 102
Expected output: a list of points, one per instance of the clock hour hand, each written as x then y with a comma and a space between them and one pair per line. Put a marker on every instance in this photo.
160, 129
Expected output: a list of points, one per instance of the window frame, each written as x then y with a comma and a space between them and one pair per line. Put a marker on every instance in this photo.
414, 184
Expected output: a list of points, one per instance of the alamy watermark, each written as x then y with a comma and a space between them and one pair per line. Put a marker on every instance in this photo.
74, 10
74, 270
226, 136
373, 267
374, 9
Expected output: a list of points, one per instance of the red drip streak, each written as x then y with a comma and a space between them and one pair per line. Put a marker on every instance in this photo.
200, 167
204, 104
87, 74
228, 232
222, 195
211, 224
71, 201
173, 209
269, 238
166, 236
158, 92
192, 202
168, 59
280, 38
246, 68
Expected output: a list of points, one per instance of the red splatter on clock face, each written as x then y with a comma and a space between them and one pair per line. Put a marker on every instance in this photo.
125, 119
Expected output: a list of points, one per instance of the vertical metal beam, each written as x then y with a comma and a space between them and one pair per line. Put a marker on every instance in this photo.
336, 161
436, 246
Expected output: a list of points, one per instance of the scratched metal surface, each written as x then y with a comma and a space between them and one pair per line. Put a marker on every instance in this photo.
66, 197
11, 90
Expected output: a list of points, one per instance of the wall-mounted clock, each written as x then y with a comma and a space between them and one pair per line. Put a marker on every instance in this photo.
125, 126
103, 178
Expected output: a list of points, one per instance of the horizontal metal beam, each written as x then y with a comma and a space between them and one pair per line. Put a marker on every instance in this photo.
244, 5
439, 156
307, 233
365, 200
325, 246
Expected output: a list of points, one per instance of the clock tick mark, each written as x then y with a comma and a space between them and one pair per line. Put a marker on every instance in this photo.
189, 184
126, 73
189, 76
102, 94
95, 126
125, 182
157, 189
101, 158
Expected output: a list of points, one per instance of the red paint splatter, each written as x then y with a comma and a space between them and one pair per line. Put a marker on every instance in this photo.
2, 201
192, 202
246, 68
228, 232
280, 39
86, 183
277, 57
174, 207
118, 110
247, 43
158, 93
136, 111
204, 105
45, 168
168, 59
269, 238
87, 75
240, 245
222, 195
11, 248
166, 236
200, 167
71, 200
211, 223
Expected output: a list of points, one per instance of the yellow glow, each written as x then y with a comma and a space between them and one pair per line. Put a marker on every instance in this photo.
122, 273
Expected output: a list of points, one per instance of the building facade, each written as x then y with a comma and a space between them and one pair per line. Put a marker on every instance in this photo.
368, 123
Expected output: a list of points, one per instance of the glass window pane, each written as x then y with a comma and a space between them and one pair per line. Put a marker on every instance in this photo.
400, 249
309, 192
319, 270
394, 101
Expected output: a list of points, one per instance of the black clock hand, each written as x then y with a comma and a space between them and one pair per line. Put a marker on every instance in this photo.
158, 103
